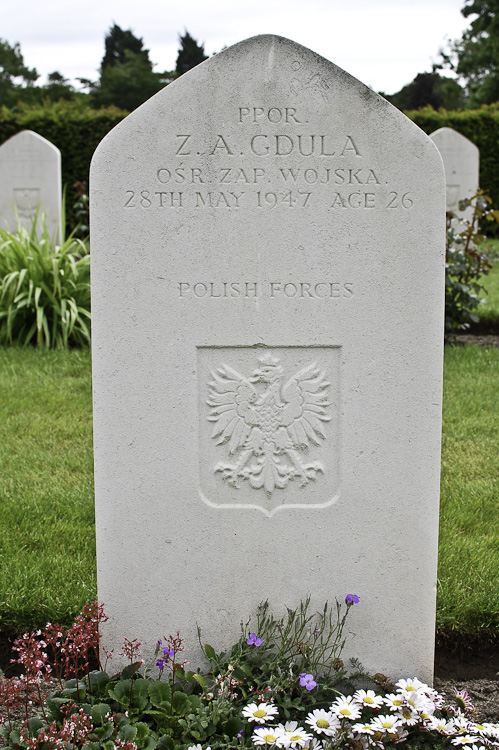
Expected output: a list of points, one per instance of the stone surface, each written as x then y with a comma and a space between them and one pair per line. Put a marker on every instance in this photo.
30, 178
267, 270
461, 163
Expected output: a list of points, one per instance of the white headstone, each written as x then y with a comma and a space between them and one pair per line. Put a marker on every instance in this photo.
30, 180
268, 275
461, 163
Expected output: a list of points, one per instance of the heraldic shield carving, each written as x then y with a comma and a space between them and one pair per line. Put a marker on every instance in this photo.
269, 430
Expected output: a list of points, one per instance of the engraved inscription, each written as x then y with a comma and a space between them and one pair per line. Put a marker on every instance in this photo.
271, 161
273, 289
26, 201
267, 422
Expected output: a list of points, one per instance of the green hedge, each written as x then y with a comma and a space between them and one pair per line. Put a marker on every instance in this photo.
481, 126
74, 128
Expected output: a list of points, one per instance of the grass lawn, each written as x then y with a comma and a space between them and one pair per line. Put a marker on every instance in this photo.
47, 553
489, 313
468, 594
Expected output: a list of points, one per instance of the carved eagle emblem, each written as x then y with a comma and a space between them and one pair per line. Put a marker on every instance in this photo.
268, 423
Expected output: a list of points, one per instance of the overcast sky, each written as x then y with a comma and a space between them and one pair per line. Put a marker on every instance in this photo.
384, 43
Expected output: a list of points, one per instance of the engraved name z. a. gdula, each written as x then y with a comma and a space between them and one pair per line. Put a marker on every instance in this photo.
268, 423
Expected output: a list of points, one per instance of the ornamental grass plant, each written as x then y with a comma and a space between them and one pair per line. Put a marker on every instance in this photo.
44, 288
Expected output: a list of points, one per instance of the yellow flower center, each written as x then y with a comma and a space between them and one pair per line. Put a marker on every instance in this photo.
409, 688
397, 703
387, 725
323, 724
345, 711
295, 738
269, 738
406, 713
260, 714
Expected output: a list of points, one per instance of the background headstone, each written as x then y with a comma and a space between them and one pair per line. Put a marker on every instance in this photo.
268, 275
461, 163
30, 177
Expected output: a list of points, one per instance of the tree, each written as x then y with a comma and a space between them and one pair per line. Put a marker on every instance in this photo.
128, 84
118, 43
475, 57
190, 54
127, 78
429, 89
14, 75
58, 87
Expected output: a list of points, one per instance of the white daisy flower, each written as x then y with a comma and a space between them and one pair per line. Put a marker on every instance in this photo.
363, 729
345, 707
260, 712
440, 725
314, 744
465, 739
197, 747
462, 723
267, 735
492, 730
411, 686
296, 737
387, 723
484, 730
368, 698
409, 715
394, 701
420, 703
401, 736
323, 722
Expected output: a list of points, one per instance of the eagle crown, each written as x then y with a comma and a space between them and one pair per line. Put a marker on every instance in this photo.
270, 371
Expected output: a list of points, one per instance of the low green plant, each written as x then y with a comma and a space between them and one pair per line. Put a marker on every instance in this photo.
260, 685
44, 288
466, 264
300, 649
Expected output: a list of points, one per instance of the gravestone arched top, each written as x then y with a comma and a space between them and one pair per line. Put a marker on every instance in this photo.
461, 159
30, 141
30, 182
242, 83
454, 139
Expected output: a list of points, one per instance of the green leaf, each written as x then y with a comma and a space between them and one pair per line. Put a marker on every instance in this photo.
210, 652
98, 712
198, 678
127, 733
54, 705
98, 681
165, 743
120, 692
143, 734
34, 725
160, 694
130, 670
140, 694
233, 726
181, 704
